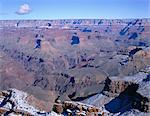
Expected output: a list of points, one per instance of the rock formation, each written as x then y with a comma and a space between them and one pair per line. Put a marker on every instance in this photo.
77, 60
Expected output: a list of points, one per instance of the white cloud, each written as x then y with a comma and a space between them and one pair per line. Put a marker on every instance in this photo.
24, 9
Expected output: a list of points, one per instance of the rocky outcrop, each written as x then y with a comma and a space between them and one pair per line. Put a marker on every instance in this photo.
14, 102
121, 95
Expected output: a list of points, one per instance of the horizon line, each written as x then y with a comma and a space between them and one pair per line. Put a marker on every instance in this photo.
78, 19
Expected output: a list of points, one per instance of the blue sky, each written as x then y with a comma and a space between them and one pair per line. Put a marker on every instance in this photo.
74, 9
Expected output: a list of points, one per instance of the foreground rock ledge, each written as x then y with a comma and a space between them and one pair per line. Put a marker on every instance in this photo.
14, 102
129, 91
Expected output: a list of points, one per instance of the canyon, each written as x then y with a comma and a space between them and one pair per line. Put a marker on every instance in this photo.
97, 64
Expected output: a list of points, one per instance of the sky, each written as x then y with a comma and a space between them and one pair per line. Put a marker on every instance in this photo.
74, 9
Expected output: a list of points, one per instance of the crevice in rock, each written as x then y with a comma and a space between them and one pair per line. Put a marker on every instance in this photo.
82, 98
7, 100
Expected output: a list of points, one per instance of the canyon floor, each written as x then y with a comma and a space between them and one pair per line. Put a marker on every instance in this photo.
75, 67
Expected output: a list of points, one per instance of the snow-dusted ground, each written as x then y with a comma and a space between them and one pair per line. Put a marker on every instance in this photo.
19, 99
